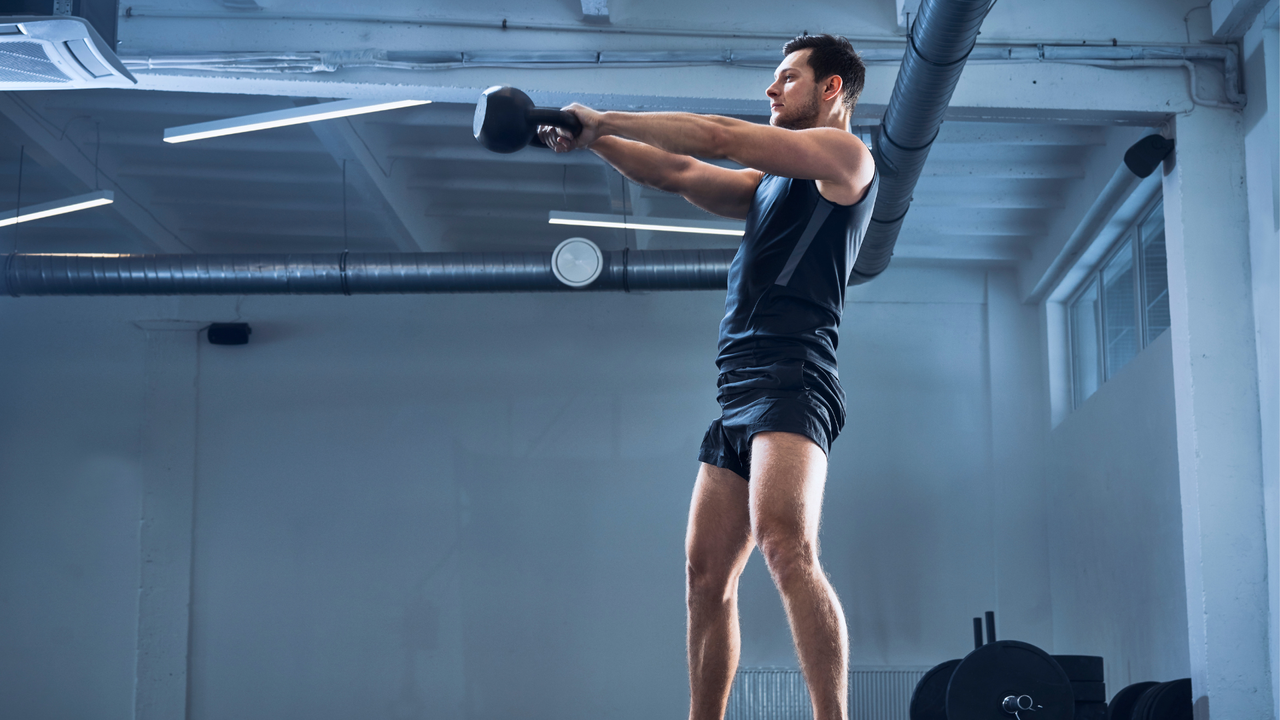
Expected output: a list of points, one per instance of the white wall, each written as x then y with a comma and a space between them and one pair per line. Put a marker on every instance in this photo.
1262, 158
1116, 526
473, 506
69, 482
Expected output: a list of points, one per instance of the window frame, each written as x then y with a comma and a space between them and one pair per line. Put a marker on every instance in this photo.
1133, 235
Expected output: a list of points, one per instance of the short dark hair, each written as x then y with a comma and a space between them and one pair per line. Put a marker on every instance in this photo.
833, 56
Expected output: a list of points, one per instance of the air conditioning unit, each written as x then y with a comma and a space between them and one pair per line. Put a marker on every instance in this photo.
56, 53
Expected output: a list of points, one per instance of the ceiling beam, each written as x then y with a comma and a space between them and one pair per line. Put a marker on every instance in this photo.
906, 10
1231, 18
1041, 92
595, 10
386, 190
987, 250
153, 226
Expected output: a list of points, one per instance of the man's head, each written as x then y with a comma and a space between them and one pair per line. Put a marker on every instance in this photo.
820, 76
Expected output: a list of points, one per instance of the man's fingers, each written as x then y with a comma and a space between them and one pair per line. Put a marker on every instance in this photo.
556, 138
564, 139
549, 137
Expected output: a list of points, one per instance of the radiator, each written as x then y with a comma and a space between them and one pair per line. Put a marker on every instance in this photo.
875, 693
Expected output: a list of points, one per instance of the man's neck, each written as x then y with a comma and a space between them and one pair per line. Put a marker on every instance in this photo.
839, 121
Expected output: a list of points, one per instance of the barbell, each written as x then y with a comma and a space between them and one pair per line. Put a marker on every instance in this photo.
1011, 680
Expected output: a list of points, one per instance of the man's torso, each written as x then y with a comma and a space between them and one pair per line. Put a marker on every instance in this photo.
788, 279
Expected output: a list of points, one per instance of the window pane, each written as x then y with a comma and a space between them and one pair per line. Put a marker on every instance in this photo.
1155, 275
1084, 345
1119, 326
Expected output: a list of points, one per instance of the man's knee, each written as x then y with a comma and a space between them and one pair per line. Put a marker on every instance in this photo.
709, 573
788, 551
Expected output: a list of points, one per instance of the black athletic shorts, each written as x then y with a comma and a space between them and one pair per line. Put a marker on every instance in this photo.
788, 396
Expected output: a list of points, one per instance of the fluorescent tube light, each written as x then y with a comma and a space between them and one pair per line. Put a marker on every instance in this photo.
704, 227
57, 207
280, 118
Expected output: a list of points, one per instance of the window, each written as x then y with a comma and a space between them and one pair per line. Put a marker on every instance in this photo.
1085, 368
1155, 276
1121, 308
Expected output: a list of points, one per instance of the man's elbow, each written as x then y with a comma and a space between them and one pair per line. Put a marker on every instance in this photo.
723, 142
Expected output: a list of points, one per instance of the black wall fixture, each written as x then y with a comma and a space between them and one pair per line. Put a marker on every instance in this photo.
229, 333
1144, 156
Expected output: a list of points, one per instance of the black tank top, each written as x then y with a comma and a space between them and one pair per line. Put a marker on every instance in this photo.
788, 279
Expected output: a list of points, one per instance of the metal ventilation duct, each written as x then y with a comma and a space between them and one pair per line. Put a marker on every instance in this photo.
942, 36
351, 273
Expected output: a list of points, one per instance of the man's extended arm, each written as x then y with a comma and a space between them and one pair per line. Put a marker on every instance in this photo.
824, 154
717, 190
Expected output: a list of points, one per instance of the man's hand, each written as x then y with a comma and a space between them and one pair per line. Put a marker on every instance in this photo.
562, 140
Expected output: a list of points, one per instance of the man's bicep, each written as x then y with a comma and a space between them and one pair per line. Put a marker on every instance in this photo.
823, 154
718, 190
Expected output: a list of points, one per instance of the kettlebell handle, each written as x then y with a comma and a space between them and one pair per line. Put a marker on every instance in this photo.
554, 118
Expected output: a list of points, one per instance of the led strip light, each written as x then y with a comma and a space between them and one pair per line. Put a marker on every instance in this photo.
57, 207
281, 118
704, 227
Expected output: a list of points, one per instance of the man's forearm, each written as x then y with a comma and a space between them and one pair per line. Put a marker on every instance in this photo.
642, 163
702, 136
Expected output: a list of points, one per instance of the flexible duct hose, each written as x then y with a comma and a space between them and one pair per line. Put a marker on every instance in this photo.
351, 274
942, 36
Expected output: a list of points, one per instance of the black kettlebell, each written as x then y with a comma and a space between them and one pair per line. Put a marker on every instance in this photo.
506, 120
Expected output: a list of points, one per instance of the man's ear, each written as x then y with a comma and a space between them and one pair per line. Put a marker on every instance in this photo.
832, 87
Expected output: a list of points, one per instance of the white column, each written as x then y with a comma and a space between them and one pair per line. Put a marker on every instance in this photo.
1262, 164
1216, 401
168, 449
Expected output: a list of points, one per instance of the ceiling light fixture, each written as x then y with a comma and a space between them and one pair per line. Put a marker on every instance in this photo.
281, 118
57, 207
704, 227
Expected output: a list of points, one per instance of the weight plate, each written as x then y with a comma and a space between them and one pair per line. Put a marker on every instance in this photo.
1091, 711
1008, 668
1089, 691
1081, 668
1122, 705
1171, 702
929, 699
1142, 708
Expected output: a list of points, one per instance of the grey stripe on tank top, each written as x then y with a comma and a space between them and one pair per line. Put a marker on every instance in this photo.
820, 213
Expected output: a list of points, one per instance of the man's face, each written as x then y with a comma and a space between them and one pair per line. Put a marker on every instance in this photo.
794, 98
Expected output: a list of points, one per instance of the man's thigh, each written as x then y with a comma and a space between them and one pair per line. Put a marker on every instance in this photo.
788, 476
719, 532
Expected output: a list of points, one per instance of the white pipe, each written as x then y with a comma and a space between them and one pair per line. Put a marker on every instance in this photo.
1118, 188
1116, 57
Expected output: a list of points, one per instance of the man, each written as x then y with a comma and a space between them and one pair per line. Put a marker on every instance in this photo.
807, 194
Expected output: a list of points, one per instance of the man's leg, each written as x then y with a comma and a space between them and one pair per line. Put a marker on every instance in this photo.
717, 546
788, 473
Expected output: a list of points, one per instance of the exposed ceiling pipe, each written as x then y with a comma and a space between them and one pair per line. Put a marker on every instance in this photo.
942, 36
351, 273
271, 63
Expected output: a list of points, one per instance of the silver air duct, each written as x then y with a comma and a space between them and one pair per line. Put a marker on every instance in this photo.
351, 273
942, 36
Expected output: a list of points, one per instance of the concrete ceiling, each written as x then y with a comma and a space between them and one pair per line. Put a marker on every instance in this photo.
1012, 169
